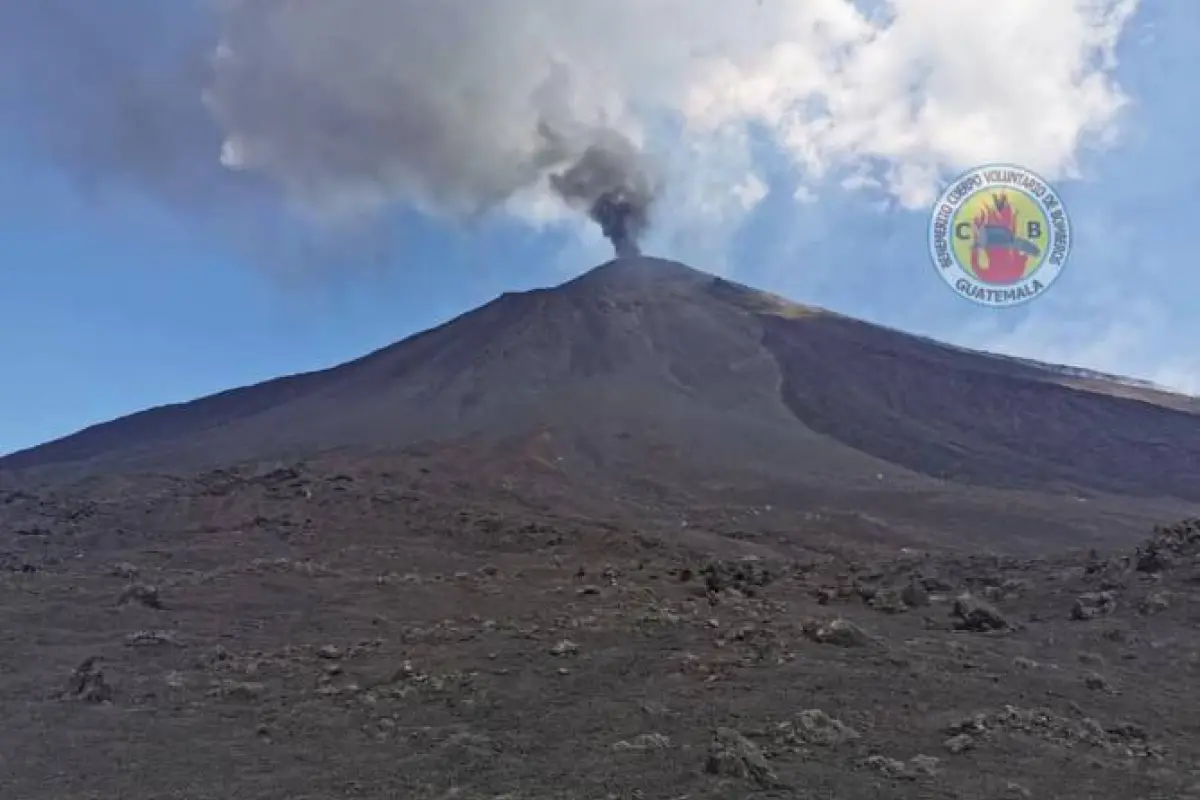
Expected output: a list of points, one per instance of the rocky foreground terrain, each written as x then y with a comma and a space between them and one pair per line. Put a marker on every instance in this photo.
315, 630
648, 534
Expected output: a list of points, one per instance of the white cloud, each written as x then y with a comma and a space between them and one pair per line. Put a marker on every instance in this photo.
937, 87
805, 195
920, 88
349, 106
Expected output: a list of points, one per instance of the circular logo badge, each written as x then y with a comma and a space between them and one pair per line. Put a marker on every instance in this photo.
999, 235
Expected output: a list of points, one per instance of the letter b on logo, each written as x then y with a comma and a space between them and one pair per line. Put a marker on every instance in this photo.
1033, 230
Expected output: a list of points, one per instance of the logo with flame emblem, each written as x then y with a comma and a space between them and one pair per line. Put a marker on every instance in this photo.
999, 235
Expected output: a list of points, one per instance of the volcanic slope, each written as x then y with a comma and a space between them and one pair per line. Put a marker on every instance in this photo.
647, 373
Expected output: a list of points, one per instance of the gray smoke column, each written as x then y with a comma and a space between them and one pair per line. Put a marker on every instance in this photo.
453, 106
612, 186
338, 110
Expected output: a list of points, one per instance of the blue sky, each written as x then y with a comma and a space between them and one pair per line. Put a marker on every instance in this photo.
121, 298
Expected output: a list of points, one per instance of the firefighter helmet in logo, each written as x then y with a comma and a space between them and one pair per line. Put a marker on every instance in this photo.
999, 235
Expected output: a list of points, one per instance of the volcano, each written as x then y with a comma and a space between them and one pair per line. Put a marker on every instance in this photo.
646, 378
604, 539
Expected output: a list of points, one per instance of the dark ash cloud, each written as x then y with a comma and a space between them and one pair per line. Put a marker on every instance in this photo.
336, 109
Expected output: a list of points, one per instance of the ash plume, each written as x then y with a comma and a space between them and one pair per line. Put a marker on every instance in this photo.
615, 190
347, 108
340, 110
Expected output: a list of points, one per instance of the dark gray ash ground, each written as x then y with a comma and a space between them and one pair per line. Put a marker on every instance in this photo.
646, 535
